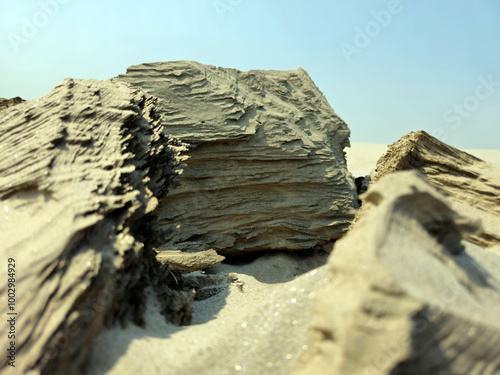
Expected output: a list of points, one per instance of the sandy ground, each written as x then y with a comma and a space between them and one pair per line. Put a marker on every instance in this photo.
259, 327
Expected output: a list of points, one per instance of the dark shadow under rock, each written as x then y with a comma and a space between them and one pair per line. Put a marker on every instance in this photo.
362, 184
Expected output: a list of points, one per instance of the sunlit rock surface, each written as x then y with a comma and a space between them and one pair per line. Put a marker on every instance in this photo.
407, 296
265, 167
79, 168
472, 185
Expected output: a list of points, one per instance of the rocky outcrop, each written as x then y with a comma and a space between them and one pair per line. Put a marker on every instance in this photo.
407, 296
92, 239
6, 103
79, 169
472, 185
265, 166
457, 174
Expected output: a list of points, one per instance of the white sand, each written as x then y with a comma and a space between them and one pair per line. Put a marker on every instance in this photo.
261, 329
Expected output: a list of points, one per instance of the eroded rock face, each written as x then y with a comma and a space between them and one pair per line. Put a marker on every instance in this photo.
6, 103
265, 166
455, 173
78, 168
407, 296
472, 185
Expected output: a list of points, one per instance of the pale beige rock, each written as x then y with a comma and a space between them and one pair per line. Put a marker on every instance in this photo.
6, 103
456, 174
78, 167
472, 185
406, 297
265, 168
189, 261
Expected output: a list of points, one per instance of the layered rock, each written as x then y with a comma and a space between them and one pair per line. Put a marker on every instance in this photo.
6, 103
407, 296
472, 185
78, 168
460, 176
265, 166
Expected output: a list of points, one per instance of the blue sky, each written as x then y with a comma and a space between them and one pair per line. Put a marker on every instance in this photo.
386, 67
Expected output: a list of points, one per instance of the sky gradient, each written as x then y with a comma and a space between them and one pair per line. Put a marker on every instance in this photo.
386, 67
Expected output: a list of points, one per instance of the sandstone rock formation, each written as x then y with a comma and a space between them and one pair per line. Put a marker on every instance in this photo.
407, 296
78, 168
265, 167
456, 174
6, 103
472, 185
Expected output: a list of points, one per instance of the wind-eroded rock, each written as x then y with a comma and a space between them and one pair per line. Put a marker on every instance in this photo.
472, 185
265, 168
78, 168
457, 174
406, 297
6, 103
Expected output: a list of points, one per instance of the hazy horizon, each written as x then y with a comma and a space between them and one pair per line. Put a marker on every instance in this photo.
386, 68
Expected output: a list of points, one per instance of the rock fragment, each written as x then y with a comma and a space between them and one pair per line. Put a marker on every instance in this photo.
472, 185
189, 261
456, 174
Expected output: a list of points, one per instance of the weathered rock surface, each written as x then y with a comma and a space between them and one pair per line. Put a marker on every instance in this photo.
78, 168
189, 261
6, 103
407, 296
265, 168
457, 174
472, 185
